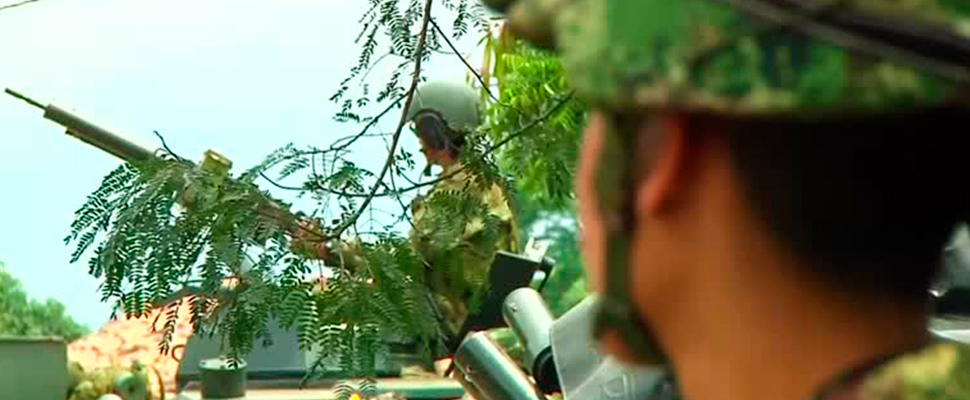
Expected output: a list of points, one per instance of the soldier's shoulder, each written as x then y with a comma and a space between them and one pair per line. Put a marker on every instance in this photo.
938, 371
454, 178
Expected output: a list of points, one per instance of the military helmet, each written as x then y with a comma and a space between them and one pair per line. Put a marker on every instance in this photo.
744, 57
456, 103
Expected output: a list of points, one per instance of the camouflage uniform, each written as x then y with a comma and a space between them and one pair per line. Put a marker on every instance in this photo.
467, 255
457, 253
465, 252
749, 58
940, 371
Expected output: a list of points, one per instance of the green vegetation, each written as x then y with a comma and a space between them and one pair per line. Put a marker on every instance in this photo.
543, 159
162, 225
22, 316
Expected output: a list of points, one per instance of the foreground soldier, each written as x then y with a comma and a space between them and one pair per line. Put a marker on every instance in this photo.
441, 115
764, 210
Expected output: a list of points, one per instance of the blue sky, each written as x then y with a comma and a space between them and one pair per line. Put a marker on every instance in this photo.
238, 76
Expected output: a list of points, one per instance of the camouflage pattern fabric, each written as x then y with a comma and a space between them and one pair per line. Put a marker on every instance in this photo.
463, 249
451, 248
708, 55
940, 371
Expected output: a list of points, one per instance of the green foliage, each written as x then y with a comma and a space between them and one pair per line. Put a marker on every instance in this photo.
397, 21
152, 249
165, 225
21, 316
530, 82
366, 389
567, 285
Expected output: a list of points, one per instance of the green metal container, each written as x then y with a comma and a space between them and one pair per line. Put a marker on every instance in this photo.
222, 380
33, 368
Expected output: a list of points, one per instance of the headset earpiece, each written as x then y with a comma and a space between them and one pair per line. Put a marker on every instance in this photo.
432, 130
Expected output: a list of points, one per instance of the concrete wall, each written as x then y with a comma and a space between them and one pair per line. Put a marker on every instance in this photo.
33, 368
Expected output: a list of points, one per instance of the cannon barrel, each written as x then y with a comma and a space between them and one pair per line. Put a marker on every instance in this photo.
88, 132
129, 151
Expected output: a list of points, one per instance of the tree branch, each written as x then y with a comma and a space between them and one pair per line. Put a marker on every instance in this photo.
415, 186
317, 188
418, 56
335, 147
496, 146
165, 146
533, 123
404, 208
22, 3
463, 60
278, 185
372, 66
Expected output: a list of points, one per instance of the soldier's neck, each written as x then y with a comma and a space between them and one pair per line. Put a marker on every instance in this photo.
762, 334
448, 159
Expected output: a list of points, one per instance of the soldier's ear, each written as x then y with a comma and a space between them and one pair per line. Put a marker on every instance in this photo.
663, 154
685, 159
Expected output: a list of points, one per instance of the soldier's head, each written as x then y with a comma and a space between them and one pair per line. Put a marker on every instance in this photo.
738, 143
441, 114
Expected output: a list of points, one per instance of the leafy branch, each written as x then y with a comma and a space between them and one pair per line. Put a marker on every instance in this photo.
415, 186
343, 146
419, 55
157, 226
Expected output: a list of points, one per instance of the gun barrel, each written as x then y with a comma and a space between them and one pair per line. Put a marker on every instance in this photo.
97, 136
88, 132
129, 151
489, 374
529, 317
29, 100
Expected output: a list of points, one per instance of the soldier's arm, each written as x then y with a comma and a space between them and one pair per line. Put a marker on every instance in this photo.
308, 241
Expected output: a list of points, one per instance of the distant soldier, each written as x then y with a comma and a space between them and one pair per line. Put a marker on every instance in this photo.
441, 116
765, 187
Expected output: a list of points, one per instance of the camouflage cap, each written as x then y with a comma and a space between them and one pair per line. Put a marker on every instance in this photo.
746, 56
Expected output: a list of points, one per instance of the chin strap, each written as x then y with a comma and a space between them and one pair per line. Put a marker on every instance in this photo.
615, 183
617, 313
